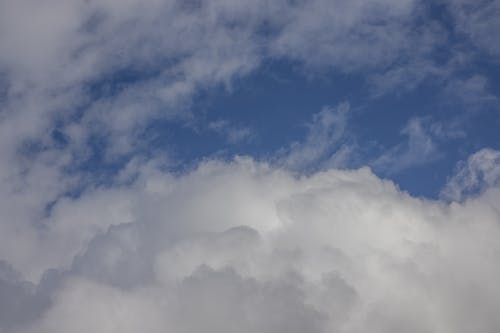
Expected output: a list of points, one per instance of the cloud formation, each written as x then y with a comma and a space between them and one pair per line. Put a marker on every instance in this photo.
420, 148
239, 245
246, 247
480, 171
323, 145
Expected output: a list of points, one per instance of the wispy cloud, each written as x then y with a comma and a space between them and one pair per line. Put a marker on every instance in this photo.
480, 172
232, 133
419, 148
241, 245
322, 142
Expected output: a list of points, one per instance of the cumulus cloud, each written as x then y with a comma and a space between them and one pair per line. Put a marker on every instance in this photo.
229, 246
244, 246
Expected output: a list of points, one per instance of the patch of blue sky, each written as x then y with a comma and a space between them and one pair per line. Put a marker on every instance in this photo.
260, 113
275, 102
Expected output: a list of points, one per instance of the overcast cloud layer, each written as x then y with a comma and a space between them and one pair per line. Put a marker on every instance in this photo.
100, 233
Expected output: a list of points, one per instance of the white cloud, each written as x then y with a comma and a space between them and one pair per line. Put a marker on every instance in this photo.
243, 246
343, 33
322, 145
480, 172
420, 148
175, 48
82, 306
238, 246
54, 51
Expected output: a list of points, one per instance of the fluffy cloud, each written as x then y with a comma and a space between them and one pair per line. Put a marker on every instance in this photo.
229, 246
246, 247
84, 78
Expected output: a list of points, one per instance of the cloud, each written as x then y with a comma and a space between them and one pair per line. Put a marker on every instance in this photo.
19, 300
420, 148
472, 91
480, 172
342, 33
478, 20
248, 247
105, 70
323, 142
229, 246
232, 133
109, 68
97, 73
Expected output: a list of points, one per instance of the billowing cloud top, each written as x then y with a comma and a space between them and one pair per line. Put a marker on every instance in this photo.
105, 226
245, 247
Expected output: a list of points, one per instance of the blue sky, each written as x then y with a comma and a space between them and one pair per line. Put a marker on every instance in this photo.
441, 77
269, 109
249, 166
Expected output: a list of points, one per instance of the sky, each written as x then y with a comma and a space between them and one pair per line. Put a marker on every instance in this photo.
249, 166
